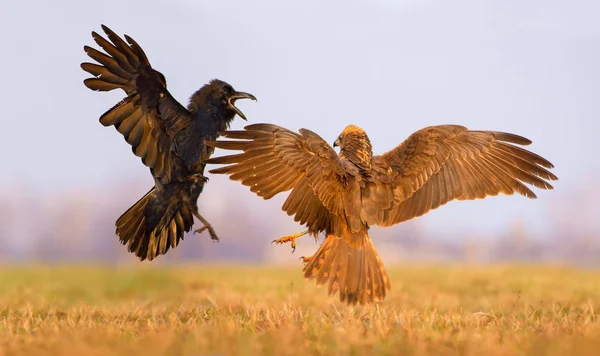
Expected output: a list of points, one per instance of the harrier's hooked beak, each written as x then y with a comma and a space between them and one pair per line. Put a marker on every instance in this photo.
337, 143
239, 95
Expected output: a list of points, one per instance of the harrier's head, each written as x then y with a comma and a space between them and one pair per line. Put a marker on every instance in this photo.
220, 97
351, 132
355, 146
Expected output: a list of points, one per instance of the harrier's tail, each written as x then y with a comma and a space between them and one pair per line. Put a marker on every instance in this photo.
356, 271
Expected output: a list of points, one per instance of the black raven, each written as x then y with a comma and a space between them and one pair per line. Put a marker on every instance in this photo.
168, 137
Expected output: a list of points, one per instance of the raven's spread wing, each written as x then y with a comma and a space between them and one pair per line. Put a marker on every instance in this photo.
441, 163
146, 114
276, 160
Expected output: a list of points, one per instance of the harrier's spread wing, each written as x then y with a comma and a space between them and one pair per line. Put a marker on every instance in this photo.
441, 163
276, 160
149, 116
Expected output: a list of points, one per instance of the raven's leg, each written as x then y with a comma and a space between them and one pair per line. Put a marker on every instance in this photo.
290, 238
211, 231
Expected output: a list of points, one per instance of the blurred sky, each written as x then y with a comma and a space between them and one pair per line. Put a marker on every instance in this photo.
389, 66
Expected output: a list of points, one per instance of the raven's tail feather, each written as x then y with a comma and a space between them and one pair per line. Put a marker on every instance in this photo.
150, 227
356, 271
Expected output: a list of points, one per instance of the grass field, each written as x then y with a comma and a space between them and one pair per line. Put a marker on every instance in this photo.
198, 310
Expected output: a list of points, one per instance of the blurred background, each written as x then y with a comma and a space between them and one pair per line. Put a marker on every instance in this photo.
389, 66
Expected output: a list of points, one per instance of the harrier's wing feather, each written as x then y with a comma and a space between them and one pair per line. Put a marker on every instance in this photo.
276, 160
441, 163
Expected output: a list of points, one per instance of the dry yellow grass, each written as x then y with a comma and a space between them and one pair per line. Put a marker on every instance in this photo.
197, 310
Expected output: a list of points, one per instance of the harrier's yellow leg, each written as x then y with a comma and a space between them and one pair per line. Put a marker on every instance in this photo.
290, 238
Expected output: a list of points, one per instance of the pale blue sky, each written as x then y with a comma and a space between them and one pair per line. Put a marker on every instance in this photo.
389, 66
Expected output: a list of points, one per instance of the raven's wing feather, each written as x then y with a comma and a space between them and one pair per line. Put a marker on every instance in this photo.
140, 117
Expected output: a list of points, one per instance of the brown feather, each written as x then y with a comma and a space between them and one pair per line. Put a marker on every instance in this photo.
110, 63
123, 47
137, 50
139, 116
100, 85
119, 112
104, 74
114, 52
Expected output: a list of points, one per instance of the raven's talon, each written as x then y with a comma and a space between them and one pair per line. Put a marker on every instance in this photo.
200, 230
212, 233
199, 177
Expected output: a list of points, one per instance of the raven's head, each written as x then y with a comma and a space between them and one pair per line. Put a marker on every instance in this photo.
219, 98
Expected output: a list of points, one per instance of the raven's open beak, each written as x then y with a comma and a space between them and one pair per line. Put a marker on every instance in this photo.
239, 95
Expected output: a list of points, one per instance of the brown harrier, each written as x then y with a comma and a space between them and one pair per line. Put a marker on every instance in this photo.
342, 195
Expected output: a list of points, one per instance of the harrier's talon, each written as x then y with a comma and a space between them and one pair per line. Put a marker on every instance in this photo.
290, 238
305, 260
284, 240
